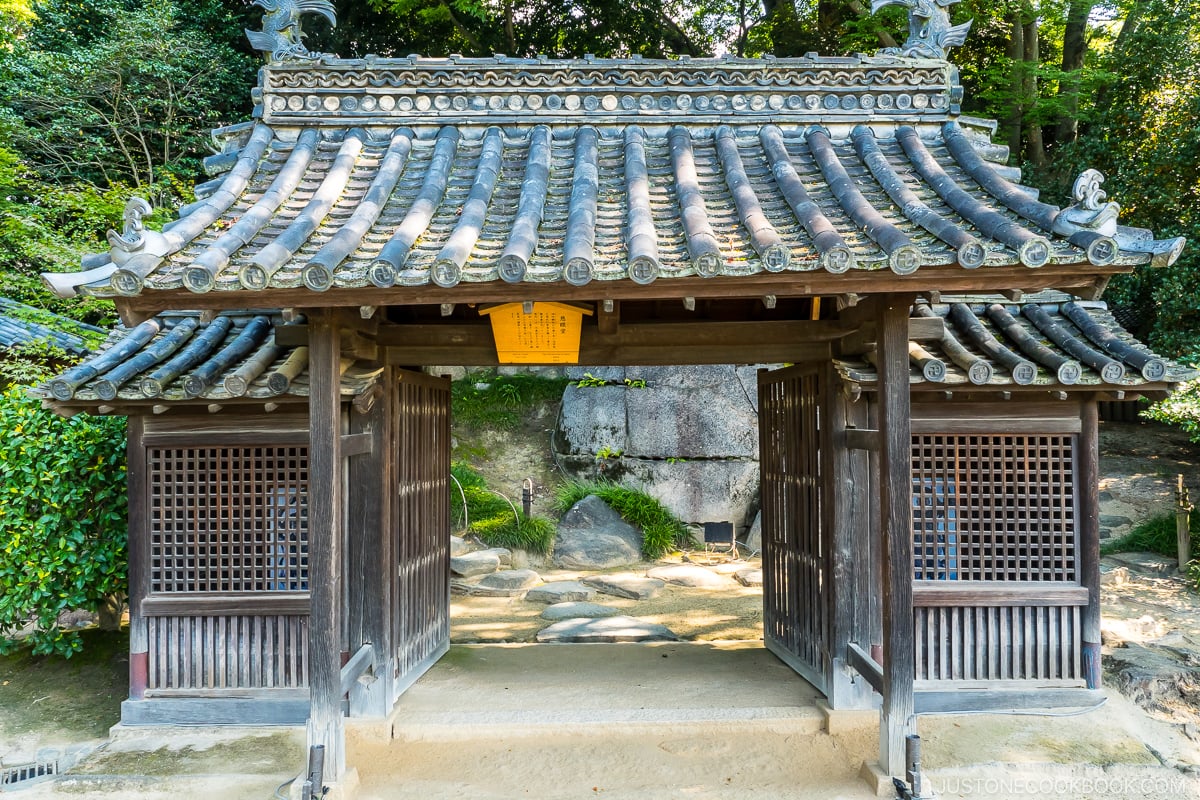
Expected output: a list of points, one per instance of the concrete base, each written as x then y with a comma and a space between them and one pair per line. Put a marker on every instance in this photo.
877, 780
848, 720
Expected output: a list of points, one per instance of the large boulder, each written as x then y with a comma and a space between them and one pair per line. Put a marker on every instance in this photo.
592, 420
593, 536
610, 629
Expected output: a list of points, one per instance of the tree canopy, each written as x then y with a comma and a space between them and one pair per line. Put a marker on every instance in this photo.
101, 98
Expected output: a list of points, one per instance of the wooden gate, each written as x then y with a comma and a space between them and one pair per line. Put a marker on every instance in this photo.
796, 564
421, 588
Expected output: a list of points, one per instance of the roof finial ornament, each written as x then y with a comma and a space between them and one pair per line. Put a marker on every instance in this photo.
133, 237
930, 33
281, 36
1089, 212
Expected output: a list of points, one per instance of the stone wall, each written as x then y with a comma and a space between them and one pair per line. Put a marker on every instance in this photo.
689, 436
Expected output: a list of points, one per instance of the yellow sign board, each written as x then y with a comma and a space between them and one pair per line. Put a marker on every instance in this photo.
546, 333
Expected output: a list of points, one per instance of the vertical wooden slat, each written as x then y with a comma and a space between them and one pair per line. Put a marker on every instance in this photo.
1089, 538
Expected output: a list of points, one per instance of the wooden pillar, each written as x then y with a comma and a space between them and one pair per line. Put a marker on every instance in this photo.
895, 497
370, 551
138, 556
840, 518
325, 505
1089, 536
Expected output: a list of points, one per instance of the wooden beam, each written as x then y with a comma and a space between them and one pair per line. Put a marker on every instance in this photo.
249, 604
948, 279
984, 593
862, 439
675, 343
866, 666
1087, 486
608, 317
895, 461
950, 701
325, 505
357, 444
359, 663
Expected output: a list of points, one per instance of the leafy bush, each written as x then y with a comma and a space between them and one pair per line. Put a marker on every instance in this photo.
63, 519
662, 531
1182, 408
490, 517
505, 400
1155, 535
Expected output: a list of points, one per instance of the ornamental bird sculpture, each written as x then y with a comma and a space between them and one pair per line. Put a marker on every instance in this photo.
281, 35
930, 33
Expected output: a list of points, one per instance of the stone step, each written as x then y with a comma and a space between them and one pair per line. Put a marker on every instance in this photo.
462, 726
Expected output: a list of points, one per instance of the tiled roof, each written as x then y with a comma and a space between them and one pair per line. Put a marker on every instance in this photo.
410, 172
1049, 342
177, 356
22, 324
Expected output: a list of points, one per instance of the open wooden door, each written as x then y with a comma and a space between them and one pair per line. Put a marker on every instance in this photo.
421, 525
796, 558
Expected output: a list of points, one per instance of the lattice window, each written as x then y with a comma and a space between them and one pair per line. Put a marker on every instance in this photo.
228, 519
994, 507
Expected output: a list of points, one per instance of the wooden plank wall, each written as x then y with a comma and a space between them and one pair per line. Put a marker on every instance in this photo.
242, 651
221, 548
421, 622
796, 562
998, 590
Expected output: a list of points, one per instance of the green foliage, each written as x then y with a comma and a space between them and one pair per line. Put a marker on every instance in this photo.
492, 518
608, 452
591, 381
1155, 535
62, 518
505, 400
662, 531
1182, 409
32, 363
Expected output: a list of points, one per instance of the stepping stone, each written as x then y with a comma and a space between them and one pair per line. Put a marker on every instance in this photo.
749, 577
459, 546
508, 583
477, 563
560, 592
610, 629
626, 584
1147, 563
578, 611
728, 567
690, 575
502, 553
1113, 576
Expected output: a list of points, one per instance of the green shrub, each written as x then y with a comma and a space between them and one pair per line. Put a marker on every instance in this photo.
1155, 535
492, 518
63, 522
505, 402
1182, 408
662, 531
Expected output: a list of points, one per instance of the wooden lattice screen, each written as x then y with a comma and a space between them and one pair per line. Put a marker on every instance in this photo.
996, 559
796, 613
228, 567
228, 519
994, 508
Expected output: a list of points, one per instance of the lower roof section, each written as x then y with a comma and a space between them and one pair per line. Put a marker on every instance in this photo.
1052, 342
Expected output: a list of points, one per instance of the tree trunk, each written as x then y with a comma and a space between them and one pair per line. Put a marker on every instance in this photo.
1035, 149
1074, 50
1016, 55
109, 612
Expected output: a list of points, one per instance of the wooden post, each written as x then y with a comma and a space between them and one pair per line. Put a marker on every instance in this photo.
325, 724
1183, 524
840, 519
138, 558
895, 497
370, 551
1089, 537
